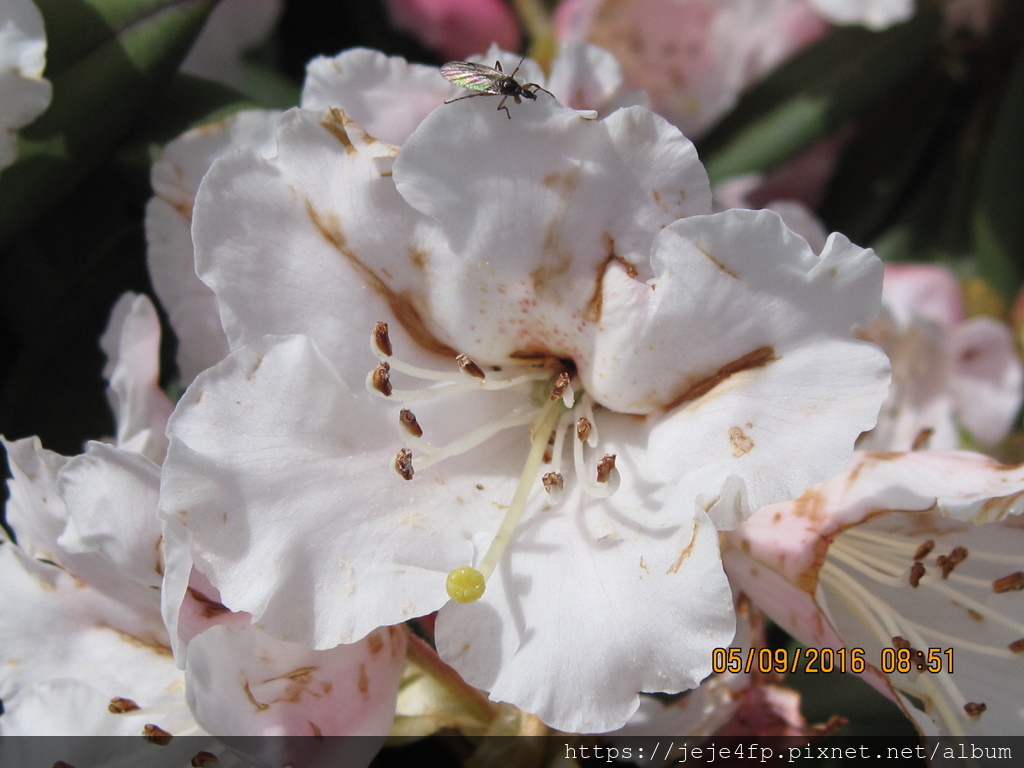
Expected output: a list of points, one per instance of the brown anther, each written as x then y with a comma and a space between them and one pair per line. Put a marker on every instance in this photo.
1017, 646
403, 463
408, 420
203, 759
119, 706
468, 366
583, 428
553, 481
922, 438
1012, 583
916, 572
948, 562
924, 550
900, 643
382, 339
605, 467
975, 708
382, 379
549, 449
156, 735
62, 764
561, 384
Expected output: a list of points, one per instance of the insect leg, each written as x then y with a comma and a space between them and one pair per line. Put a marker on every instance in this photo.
538, 88
470, 96
501, 105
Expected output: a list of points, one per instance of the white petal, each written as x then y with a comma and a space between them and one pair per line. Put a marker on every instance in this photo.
386, 95
298, 514
242, 682
24, 94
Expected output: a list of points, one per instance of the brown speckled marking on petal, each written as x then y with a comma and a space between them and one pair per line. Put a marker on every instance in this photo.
336, 122
255, 367
401, 306
759, 358
364, 682
375, 643
674, 568
741, 443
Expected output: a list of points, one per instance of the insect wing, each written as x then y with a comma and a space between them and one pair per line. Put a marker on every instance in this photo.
475, 77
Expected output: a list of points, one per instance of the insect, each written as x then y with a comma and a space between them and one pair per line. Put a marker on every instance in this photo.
490, 82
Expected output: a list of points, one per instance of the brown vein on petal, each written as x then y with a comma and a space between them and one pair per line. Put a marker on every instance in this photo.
756, 359
400, 305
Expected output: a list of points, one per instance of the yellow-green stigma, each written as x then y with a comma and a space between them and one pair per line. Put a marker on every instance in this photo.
465, 585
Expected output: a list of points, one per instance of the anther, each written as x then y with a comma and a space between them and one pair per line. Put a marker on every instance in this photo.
1017, 646
917, 570
605, 467
900, 643
381, 379
403, 463
975, 708
156, 735
467, 366
203, 758
948, 562
119, 705
553, 482
583, 428
381, 339
1012, 583
408, 420
924, 550
561, 384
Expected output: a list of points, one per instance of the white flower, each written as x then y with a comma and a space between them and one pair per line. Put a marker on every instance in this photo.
916, 551
86, 649
950, 373
24, 94
707, 358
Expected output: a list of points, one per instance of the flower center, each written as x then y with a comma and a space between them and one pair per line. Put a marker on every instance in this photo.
920, 627
552, 410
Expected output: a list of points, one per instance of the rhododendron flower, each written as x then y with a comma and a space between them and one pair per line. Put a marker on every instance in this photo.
949, 373
510, 362
914, 560
692, 57
86, 648
24, 94
457, 28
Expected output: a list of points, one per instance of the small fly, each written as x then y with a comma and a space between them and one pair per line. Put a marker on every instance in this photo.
490, 82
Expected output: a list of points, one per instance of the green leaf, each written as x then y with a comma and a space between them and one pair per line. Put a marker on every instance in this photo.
816, 92
106, 61
998, 215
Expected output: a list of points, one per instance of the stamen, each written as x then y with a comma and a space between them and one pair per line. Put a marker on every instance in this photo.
583, 429
975, 708
553, 484
924, 550
606, 469
381, 339
562, 389
470, 368
403, 463
948, 562
408, 420
1012, 583
917, 570
520, 416
380, 379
